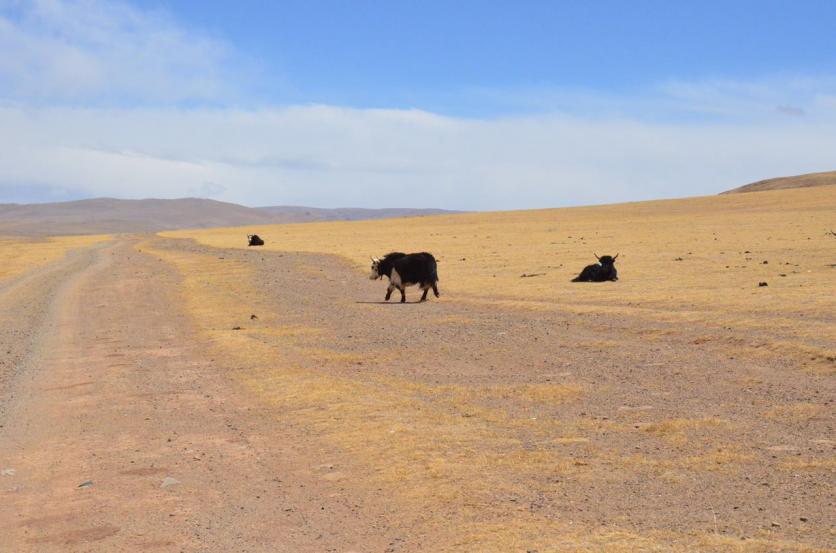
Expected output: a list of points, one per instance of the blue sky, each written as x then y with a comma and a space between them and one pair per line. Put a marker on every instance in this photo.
482, 105
422, 54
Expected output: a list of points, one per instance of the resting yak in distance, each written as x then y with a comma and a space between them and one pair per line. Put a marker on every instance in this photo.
600, 272
407, 270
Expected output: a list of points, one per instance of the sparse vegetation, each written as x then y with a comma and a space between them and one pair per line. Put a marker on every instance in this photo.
477, 454
481, 257
18, 255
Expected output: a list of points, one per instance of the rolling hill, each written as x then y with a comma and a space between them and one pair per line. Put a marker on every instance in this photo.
301, 214
797, 181
109, 216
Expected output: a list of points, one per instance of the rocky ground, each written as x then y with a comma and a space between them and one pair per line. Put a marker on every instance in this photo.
121, 429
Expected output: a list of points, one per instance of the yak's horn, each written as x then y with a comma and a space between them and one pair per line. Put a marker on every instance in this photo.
616, 257
596, 256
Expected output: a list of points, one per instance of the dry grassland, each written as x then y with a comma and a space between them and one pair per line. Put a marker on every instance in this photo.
694, 260
428, 455
446, 449
19, 255
439, 450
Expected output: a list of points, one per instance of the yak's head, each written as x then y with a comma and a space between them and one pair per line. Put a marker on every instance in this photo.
606, 260
375, 274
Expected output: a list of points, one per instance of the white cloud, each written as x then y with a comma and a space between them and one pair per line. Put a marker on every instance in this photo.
750, 100
741, 101
332, 156
62, 62
83, 50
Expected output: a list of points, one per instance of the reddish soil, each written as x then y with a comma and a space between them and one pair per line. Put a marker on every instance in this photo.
105, 380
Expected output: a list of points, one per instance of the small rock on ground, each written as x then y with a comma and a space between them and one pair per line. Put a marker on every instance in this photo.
169, 481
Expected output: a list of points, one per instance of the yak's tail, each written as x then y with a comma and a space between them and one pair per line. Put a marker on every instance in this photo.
577, 279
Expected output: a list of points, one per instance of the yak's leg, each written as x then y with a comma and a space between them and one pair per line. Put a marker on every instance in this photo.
424, 296
403, 294
389, 291
585, 276
435, 289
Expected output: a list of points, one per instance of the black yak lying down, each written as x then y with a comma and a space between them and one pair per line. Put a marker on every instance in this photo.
254, 240
407, 270
602, 271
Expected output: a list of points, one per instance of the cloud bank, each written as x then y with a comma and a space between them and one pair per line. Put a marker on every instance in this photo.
94, 50
101, 99
331, 156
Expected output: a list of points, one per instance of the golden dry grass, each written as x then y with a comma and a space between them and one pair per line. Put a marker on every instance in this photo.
447, 447
797, 411
805, 464
571, 538
827, 178
676, 430
483, 255
433, 445
18, 255
440, 449
722, 458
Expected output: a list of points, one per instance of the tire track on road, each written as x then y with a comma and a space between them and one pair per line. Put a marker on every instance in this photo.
27, 303
129, 437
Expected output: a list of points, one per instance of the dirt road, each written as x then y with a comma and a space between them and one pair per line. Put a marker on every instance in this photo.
450, 425
115, 392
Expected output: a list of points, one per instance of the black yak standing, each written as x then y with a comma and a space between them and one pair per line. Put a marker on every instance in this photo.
600, 272
407, 270
254, 240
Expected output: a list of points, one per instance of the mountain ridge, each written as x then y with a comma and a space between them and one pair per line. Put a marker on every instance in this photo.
806, 180
114, 216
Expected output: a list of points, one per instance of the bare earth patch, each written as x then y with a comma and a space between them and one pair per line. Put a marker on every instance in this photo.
167, 394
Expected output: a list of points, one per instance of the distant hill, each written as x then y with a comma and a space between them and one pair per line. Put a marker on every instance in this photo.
300, 214
798, 181
110, 216
107, 215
